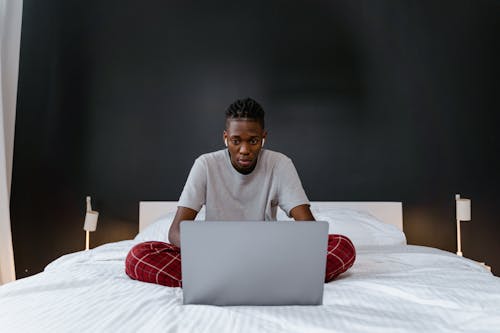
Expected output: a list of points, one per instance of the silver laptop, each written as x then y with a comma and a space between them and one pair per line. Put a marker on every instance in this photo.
253, 263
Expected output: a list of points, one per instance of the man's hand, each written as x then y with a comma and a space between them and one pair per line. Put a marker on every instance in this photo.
182, 214
302, 213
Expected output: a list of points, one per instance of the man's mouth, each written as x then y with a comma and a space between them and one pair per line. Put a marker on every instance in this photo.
245, 163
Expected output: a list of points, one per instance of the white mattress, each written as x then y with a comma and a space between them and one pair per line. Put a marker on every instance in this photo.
389, 289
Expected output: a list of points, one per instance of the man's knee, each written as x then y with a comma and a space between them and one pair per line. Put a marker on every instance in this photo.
340, 256
155, 262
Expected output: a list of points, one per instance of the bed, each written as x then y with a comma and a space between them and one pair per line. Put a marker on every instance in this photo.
392, 287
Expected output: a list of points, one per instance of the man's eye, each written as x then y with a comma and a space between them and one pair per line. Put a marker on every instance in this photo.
235, 142
254, 141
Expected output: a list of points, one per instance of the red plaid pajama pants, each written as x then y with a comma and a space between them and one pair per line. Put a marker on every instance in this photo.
160, 263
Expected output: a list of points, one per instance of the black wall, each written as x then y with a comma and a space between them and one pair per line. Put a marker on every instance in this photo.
373, 100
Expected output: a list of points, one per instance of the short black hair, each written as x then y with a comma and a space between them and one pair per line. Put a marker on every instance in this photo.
246, 108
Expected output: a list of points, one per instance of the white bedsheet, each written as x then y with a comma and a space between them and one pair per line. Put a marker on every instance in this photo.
392, 289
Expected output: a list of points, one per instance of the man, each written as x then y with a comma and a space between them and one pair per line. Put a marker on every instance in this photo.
241, 183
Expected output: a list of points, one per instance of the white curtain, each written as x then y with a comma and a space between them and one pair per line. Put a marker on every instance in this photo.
10, 36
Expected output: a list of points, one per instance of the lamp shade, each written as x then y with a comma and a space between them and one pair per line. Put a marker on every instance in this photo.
463, 209
90, 221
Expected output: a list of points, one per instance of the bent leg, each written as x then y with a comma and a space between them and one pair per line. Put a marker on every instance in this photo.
340, 257
155, 262
160, 263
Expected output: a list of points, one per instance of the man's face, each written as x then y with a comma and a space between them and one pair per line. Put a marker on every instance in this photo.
244, 142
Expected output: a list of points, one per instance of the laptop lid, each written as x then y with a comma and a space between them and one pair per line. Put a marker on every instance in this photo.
253, 263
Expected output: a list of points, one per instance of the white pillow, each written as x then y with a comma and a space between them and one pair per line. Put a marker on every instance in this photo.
158, 230
362, 228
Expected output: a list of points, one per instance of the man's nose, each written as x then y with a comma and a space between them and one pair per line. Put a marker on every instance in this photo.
244, 148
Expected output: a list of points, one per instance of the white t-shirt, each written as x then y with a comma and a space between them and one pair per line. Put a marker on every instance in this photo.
230, 195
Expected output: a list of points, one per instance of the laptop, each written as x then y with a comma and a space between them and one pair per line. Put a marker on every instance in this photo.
253, 263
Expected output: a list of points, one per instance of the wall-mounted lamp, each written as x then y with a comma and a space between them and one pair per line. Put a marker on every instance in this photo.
463, 214
90, 224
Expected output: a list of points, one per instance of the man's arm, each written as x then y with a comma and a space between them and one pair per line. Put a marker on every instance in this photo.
302, 213
182, 214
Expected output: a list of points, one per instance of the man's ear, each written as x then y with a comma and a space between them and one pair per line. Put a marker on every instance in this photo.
224, 136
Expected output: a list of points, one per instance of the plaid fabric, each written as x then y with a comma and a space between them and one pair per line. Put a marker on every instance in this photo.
155, 262
160, 263
340, 257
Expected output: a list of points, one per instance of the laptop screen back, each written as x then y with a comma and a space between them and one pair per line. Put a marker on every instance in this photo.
253, 263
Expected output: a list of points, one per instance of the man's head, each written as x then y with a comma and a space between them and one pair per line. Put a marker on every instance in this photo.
244, 134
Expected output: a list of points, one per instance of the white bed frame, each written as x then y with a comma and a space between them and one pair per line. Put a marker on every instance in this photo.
388, 212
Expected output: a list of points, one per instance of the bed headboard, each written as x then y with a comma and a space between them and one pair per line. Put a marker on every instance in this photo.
387, 211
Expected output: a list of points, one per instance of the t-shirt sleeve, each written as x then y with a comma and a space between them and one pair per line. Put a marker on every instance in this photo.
290, 193
194, 193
